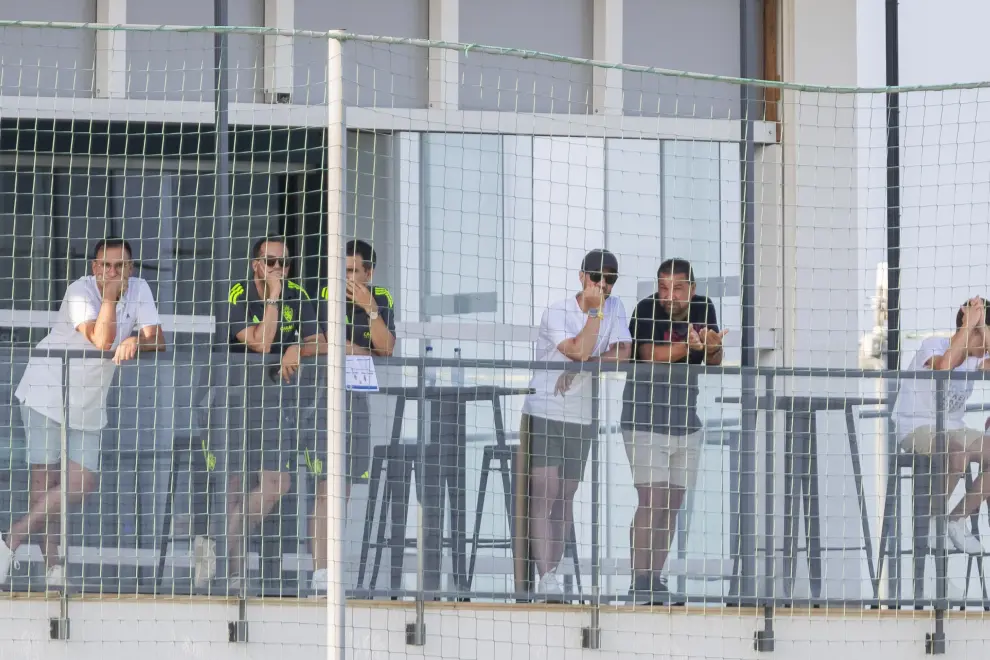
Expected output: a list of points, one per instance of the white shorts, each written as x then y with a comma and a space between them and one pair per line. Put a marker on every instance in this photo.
656, 458
44, 442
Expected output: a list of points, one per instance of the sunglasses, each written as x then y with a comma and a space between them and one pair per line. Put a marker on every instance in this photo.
610, 278
276, 262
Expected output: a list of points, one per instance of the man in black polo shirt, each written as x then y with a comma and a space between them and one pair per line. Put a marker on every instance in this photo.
660, 424
267, 314
369, 326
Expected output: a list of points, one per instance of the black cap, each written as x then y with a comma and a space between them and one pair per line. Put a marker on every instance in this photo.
598, 261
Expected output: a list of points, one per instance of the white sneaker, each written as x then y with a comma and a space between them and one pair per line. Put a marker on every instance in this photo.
320, 580
550, 586
7, 561
962, 537
204, 561
55, 577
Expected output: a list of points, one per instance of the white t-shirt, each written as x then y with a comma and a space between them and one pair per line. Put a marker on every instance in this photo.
564, 320
915, 406
89, 379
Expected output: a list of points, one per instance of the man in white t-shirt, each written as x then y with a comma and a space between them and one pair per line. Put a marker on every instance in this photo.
914, 413
102, 312
556, 422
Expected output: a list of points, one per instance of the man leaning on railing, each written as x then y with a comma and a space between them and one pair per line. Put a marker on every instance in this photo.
556, 426
268, 314
914, 413
101, 311
660, 425
369, 323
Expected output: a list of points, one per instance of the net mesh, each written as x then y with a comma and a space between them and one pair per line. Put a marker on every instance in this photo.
539, 407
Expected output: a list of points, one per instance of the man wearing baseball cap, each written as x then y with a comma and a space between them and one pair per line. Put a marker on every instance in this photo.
555, 430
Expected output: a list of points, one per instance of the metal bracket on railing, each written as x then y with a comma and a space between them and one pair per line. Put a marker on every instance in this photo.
935, 643
237, 632
763, 641
591, 638
416, 633
58, 629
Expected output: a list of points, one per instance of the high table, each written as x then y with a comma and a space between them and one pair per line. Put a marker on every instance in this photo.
446, 428
801, 477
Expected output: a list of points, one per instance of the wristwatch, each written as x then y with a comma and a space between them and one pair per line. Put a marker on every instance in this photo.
373, 314
596, 313
273, 303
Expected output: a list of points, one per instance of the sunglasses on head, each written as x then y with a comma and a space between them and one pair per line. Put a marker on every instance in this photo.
610, 278
276, 262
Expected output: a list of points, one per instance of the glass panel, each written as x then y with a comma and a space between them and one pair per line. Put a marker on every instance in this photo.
691, 205
199, 247
634, 186
82, 214
144, 204
25, 216
463, 214
568, 213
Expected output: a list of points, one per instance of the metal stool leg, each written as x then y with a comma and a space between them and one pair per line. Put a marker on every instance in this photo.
896, 568
572, 548
486, 461
861, 497
790, 506
167, 522
886, 528
923, 511
387, 497
812, 511
369, 517
400, 485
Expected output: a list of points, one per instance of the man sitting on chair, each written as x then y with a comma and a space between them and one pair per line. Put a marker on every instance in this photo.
914, 413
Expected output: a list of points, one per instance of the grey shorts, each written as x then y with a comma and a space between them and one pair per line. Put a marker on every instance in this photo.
551, 443
357, 426
44, 442
269, 443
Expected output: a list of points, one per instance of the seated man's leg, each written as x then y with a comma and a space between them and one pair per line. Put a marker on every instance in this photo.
265, 461
970, 447
963, 446
357, 462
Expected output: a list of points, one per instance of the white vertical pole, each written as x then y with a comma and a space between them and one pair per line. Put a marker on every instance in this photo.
444, 25
279, 51
606, 38
111, 50
336, 209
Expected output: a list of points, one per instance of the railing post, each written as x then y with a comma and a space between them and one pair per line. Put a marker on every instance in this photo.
935, 641
763, 640
58, 628
591, 637
416, 631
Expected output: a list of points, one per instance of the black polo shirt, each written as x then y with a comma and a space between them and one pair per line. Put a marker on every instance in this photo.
651, 401
297, 314
358, 325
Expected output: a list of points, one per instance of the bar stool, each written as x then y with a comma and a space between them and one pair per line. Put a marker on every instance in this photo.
922, 481
397, 463
505, 456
